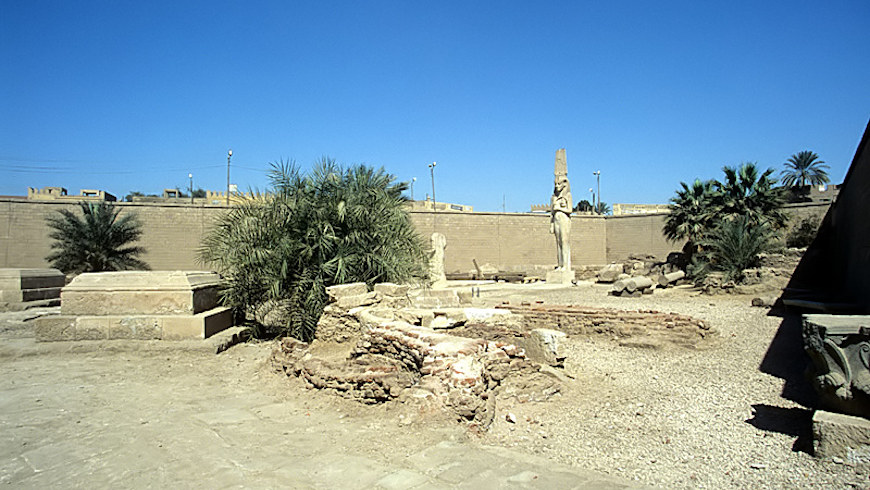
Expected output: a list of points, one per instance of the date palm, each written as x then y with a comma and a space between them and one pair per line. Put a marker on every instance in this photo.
98, 241
332, 226
692, 213
804, 168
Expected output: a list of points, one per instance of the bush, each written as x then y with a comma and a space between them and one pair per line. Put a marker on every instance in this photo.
331, 226
733, 247
804, 233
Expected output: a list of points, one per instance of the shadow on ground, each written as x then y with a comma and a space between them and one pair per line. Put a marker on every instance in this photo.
793, 421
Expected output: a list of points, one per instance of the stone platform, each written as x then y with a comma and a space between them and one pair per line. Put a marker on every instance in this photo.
144, 305
560, 277
843, 436
24, 288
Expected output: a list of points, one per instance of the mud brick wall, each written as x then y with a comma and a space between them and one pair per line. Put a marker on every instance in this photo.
508, 241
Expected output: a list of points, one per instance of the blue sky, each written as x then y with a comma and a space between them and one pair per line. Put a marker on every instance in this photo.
125, 96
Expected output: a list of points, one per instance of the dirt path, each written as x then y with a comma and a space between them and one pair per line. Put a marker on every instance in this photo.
174, 415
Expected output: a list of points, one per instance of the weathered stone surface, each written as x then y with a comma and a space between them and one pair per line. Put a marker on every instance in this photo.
839, 347
560, 277
135, 327
437, 244
610, 272
342, 290
21, 286
365, 299
544, 346
140, 292
843, 436
389, 289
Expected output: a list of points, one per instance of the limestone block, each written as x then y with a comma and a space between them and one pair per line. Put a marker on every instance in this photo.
342, 290
140, 292
54, 328
392, 290
365, 299
560, 277
545, 346
200, 326
844, 436
92, 328
24, 285
609, 273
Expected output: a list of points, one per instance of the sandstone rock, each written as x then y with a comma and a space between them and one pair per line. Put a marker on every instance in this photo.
544, 346
389, 289
342, 290
365, 299
610, 272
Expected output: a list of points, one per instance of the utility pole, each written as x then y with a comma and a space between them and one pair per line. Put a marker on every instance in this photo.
597, 175
432, 172
229, 155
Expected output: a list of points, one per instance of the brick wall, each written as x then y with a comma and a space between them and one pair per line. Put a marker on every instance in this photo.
508, 241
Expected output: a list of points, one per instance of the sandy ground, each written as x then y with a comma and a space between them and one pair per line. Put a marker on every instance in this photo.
151, 413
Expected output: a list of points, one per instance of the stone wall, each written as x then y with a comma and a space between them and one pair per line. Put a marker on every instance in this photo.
508, 241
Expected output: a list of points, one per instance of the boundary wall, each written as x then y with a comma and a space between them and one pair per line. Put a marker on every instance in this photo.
508, 241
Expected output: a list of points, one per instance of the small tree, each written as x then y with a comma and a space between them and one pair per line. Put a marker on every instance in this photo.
98, 241
693, 213
733, 246
583, 206
332, 226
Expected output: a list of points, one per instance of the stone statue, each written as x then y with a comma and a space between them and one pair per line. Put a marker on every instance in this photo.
560, 220
437, 243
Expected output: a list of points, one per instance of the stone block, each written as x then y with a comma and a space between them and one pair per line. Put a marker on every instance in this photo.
545, 346
92, 327
365, 299
140, 293
19, 286
842, 436
54, 328
135, 327
610, 273
199, 326
392, 290
560, 277
342, 290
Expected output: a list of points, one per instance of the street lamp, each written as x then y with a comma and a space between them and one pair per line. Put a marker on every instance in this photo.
413, 179
190, 176
597, 175
229, 155
432, 172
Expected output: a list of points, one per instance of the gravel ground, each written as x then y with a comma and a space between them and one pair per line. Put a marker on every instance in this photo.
701, 418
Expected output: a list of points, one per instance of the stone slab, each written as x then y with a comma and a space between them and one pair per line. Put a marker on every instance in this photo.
342, 290
842, 436
435, 298
20, 286
141, 293
560, 277
133, 327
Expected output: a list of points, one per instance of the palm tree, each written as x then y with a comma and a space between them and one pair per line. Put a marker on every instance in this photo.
100, 241
603, 208
692, 213
746, 193
804, 168
735, 245
332, 226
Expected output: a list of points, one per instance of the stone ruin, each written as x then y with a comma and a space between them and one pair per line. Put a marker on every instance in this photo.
431, 347
27, 288
143, 305
382, 345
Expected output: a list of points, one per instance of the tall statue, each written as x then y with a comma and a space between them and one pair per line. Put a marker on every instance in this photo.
561, 206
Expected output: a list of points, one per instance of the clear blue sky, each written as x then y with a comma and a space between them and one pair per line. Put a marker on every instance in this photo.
125, 96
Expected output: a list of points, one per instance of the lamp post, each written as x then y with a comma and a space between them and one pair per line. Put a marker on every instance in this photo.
229, 155
597, 175
190, 176
413, 179
432, 172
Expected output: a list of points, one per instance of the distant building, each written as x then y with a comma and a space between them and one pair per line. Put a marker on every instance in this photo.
812, 193
60, 194
622, 209
439, 206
